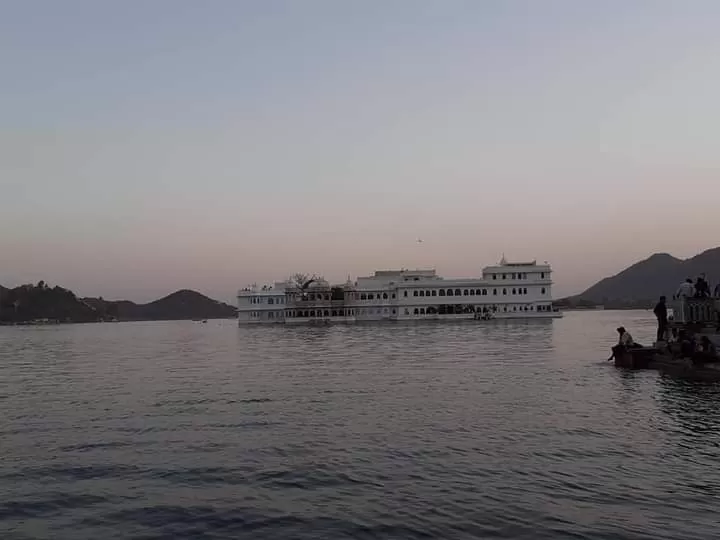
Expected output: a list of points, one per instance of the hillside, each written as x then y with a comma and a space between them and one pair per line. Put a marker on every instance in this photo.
643, 282
183, 304
32, 302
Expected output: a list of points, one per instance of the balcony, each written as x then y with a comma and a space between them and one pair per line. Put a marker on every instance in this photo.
695, 310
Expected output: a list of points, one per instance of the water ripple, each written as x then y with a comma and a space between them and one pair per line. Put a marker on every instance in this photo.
509, 429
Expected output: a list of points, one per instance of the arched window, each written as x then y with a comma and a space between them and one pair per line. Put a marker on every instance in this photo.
384, 296
466, 292
457, 292
433, 293
441, 292
405, 293
334, 313
504, 276
495, 292
271, 300
312, 313
415, 293
422, 311
542, 275
513, 291
427, 293
514, 308
494, 276
484, 292
524, 290
472, 292
393, 311
449, 292
393, 295
363, 296
504, 291
416, 311
422, 293
370, 296
542, 291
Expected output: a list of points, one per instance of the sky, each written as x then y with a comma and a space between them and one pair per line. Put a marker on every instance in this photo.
152, 146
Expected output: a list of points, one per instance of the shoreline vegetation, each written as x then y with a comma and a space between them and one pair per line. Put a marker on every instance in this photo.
42, 304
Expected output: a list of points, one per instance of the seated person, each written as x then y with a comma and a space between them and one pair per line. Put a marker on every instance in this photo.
706, 352
625, 341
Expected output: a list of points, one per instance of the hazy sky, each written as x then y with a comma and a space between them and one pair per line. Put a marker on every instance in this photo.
147, 146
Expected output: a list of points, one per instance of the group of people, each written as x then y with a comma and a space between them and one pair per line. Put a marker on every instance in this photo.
700, 289
700, 351
703, 349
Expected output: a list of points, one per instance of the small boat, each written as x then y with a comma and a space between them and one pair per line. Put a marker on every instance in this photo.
635, 357
664, 362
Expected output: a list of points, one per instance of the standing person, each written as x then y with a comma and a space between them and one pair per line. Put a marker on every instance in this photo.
686, 289
702, 289
660, 312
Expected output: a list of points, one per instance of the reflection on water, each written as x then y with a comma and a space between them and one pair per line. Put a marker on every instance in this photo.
497, 429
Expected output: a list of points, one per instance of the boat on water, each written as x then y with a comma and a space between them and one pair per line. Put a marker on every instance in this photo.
507, 290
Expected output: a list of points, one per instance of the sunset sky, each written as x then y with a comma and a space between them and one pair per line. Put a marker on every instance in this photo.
147, 146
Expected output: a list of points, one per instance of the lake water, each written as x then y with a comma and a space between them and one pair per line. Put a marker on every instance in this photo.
502, 429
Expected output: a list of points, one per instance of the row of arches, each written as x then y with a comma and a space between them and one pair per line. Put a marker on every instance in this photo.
519, 291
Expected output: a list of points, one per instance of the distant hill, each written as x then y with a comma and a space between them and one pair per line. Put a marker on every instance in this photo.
642, 283
33, 302
184, 304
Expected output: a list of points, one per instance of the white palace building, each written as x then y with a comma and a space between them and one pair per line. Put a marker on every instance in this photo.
506, 290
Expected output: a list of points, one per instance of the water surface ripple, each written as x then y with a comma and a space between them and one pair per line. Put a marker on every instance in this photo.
502, 429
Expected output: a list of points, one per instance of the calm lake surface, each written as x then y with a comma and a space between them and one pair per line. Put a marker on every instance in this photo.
502, 429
